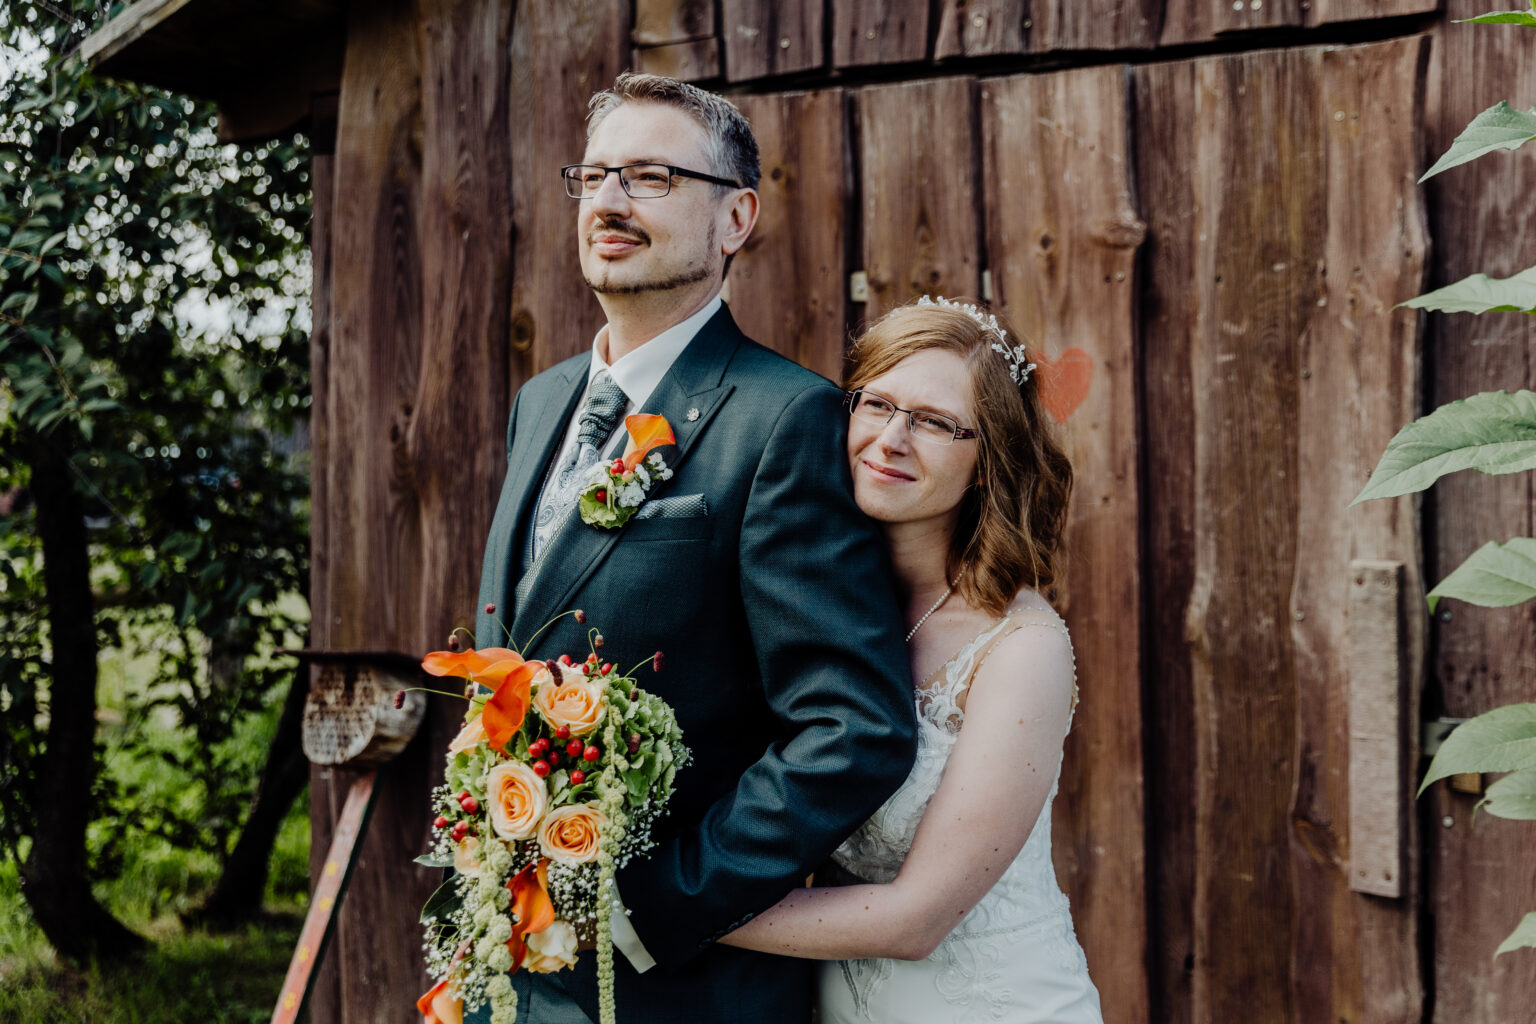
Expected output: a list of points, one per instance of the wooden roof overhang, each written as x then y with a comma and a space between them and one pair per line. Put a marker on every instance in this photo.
263, 63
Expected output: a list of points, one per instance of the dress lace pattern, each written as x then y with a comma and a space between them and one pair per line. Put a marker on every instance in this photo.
976, 964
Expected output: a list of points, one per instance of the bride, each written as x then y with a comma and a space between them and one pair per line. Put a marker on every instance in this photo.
948, 907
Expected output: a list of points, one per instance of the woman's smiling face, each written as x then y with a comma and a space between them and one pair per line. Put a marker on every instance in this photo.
902, 478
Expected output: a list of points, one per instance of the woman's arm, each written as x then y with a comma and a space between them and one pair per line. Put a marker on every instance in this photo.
997, 779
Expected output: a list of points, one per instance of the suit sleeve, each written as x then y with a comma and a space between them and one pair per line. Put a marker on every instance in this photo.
825, 629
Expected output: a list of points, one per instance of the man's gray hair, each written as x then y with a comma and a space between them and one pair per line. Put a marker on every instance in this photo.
732, 146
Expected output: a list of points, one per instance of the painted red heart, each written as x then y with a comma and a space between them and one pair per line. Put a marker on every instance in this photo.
1063, 381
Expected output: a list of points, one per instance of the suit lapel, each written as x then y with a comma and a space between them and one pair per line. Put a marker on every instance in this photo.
694, 383
548, 412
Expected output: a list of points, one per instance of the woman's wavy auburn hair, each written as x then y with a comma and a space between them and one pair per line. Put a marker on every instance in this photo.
1009, 534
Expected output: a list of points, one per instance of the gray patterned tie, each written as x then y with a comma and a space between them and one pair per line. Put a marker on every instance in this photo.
605, 401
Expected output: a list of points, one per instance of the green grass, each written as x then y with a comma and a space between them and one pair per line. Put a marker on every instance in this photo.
187, 974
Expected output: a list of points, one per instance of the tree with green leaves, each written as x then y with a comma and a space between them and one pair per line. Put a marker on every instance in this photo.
1495, 433
153, 377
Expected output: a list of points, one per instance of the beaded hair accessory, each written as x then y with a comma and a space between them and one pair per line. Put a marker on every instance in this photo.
1019, 366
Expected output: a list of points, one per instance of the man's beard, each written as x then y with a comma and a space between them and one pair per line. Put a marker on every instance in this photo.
691, 275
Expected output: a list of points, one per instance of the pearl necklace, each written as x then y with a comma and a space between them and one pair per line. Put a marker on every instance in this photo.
942, 598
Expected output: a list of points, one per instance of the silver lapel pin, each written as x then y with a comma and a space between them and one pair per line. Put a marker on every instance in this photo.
693, 414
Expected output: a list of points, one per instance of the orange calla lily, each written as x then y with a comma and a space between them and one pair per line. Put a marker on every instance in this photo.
503, 714
531, 907
439, 1006
646, 432
465, 664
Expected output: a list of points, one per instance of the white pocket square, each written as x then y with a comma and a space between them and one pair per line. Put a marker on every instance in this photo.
678, 506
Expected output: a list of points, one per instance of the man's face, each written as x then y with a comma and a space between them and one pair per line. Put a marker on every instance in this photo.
630, 245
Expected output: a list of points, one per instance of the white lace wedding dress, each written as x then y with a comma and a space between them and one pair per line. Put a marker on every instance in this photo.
1015, 957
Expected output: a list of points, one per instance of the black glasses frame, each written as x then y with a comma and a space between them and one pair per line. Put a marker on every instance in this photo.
851, 400
673, 172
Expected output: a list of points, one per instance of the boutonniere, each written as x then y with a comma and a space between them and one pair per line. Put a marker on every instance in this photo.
616, 489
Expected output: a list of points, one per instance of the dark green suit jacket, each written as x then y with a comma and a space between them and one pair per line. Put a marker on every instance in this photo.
783, 655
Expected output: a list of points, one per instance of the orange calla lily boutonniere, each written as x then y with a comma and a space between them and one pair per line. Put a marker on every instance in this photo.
617, 489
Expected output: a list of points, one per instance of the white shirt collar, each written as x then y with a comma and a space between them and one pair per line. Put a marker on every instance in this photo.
640, 370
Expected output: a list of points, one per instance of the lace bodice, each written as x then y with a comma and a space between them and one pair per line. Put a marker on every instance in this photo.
1026, 897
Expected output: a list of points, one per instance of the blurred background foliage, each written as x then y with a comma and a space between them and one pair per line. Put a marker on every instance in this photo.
154, 369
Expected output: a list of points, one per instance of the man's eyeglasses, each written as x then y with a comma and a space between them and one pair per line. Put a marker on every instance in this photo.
933, 427
640, 181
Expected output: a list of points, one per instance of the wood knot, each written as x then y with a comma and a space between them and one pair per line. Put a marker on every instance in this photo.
1124, 232
522, 330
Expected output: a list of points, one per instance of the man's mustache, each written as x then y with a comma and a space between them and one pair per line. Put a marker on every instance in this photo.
621, 227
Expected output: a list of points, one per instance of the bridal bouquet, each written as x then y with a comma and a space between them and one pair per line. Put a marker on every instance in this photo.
552, 785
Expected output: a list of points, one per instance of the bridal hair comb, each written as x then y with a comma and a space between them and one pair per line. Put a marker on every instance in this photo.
1019, 366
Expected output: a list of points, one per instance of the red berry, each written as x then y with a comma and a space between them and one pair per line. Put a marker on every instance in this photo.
565, 659
490, 609
601, 494
462, 796
592, 658
471, 805
574, 747
591, 754
539, 747
618, 465
578, 777
541, 769
607, 667
439, 822
553, 758
563, 732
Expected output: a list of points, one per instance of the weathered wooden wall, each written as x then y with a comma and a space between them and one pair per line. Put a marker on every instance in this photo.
1205, 251
1482, 877
413, 276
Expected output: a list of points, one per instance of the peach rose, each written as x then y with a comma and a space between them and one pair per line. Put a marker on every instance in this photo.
553, 949
517, 799
570, 834
574, 702
466, 856
472, 733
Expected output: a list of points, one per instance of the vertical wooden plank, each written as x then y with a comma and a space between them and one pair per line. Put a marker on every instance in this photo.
371, 518
1323, 12
1063, 248
917, 151
1378, 730
763, 39
788, 286
1166, 189
879, 32
561, 55
980, 28
1094, 24
672, 21
690, 61
1355, 957
1254, 217
325, 998
1259, 202
1194, 21
1481, 878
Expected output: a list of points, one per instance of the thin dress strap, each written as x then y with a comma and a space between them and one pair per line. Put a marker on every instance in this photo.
1013, 622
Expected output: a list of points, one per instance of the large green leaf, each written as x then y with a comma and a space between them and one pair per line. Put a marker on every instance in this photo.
1501, 740
1494, 576
1479, 293
1502, 18
1501, 126
1493, 433
1524, 935
1513, 796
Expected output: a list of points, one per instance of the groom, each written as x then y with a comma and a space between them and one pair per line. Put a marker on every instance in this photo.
750, 568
